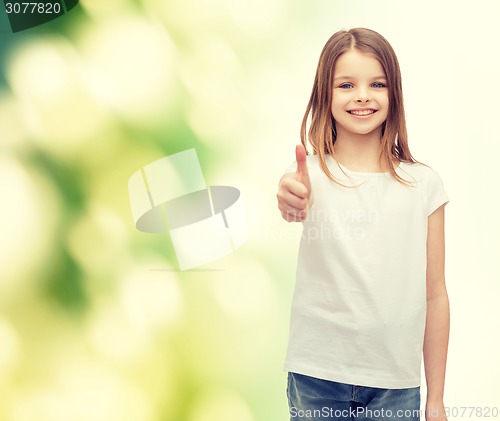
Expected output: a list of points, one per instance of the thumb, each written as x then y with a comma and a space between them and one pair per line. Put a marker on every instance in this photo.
302, 171
300, 156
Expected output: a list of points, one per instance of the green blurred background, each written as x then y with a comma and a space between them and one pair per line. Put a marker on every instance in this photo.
96, 321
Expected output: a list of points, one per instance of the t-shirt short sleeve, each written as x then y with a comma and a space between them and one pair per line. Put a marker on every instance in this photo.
436, 194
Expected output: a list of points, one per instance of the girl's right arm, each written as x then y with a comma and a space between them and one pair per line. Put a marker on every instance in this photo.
294, 192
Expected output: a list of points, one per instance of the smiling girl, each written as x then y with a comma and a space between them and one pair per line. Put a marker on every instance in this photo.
370, 294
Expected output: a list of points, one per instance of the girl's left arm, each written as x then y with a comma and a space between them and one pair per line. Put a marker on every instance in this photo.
438, 318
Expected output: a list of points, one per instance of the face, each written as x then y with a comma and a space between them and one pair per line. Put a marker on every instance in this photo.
360, 96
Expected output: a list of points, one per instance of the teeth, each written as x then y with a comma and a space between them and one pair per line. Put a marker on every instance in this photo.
362, 112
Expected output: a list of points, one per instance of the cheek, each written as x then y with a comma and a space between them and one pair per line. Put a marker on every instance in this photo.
385, 99
338, 102
334, 105
336, 109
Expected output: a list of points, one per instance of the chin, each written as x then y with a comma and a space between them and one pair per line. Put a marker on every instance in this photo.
365, 132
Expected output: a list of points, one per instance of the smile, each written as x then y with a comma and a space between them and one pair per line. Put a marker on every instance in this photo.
362, 112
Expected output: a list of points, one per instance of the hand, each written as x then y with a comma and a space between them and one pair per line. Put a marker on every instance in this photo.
434, 411
294, 193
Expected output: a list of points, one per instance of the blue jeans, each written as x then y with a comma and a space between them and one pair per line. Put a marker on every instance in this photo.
312, 399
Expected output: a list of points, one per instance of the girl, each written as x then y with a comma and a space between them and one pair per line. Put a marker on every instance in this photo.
370, 293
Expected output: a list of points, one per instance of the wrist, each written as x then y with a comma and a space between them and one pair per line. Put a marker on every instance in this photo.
435, 398
434, 405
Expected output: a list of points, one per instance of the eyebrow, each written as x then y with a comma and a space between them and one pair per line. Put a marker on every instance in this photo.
350, 77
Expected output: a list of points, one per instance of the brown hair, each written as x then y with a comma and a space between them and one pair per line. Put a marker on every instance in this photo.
322, 134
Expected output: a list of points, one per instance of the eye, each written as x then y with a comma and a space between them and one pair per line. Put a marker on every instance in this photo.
345, 86
378, 85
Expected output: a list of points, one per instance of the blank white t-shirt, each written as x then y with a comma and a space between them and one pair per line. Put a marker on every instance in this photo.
359, 305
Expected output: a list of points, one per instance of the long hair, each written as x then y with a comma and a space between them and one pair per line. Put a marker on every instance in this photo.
322, 133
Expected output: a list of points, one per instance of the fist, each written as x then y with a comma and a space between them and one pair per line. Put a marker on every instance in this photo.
294, 192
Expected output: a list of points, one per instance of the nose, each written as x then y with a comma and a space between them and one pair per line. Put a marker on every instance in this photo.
362, 96
362, 99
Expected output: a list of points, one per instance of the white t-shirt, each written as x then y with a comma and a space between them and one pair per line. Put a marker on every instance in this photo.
359, 305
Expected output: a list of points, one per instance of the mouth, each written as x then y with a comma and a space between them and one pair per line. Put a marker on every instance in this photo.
362, 112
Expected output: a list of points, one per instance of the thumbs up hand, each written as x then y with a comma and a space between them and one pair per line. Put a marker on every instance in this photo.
295, 193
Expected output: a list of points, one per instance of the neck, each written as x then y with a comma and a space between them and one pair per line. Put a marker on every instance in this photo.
359, 151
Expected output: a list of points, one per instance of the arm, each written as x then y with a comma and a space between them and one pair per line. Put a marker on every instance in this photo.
438, 318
